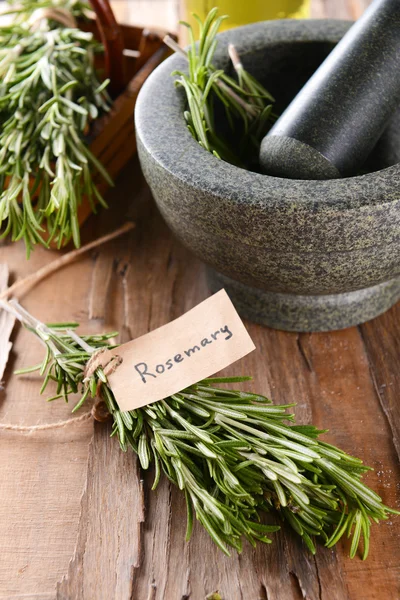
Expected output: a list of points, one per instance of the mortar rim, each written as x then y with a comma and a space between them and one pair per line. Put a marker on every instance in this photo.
161, 102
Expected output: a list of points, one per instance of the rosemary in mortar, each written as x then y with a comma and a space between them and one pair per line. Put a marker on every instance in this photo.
246, 103
49, 94
233, 454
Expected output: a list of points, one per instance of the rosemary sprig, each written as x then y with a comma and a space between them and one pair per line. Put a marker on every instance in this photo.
246, 103
232, 453
49, 94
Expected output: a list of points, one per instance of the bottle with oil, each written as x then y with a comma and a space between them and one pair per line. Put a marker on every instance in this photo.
242, 12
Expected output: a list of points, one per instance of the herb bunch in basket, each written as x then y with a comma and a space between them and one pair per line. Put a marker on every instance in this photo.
49, 95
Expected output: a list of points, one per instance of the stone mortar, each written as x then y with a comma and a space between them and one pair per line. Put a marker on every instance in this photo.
292, 254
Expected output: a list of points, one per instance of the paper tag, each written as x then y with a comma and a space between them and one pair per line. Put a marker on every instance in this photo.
201, 342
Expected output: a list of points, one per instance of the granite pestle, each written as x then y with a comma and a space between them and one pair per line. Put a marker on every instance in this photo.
334, 122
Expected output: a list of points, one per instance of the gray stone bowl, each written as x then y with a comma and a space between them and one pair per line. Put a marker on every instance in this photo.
292, 254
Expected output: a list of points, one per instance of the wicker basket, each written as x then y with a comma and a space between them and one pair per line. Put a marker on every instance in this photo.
131, 54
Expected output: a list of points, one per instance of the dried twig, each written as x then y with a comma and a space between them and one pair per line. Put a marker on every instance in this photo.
20, 287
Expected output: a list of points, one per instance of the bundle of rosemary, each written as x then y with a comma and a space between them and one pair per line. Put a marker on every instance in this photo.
231, 452
246, 103
49, 94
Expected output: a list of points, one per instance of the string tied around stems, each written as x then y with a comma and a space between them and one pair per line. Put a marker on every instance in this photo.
99, 411
101, 358
109, 363
98, 359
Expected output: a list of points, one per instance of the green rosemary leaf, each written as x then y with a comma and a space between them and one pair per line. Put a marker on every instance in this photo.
143, 452
28, 370
357, 533
157, 467
309, 543
189, 514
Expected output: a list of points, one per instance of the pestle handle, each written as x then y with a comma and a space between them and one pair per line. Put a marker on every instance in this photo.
334, 122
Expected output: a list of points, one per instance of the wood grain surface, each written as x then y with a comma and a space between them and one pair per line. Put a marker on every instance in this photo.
78, 520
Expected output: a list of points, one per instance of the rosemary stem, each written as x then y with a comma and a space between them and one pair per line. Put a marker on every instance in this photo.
251, 110
22, 316
171, 43
84, 345
27, 318
234, 56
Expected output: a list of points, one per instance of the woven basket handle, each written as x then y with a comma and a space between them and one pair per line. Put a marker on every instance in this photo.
112, 39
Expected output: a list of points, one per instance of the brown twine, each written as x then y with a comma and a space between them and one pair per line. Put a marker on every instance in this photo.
46, 426
61, 15
102, 358
109, 363
99, 412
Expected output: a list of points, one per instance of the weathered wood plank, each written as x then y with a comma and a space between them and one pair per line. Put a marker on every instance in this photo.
345, 400
327, 374
130, 541
382, 346
109, 540
42, 476
100, 288
6, 324
338, 9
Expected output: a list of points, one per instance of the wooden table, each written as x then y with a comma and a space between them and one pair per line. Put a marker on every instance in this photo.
71, 493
